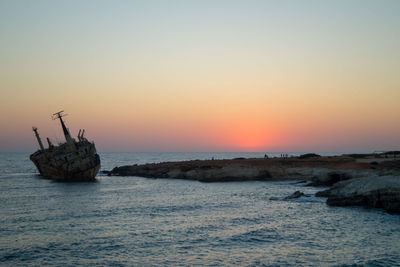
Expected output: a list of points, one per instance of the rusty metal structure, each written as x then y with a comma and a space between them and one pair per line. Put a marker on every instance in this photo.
69, 161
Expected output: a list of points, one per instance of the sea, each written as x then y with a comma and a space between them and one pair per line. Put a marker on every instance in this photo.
134, 221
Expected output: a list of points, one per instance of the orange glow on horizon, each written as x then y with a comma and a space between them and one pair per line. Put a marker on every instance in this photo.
178, 78
251, 135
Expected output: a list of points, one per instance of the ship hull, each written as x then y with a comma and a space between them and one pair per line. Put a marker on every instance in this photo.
80, 164
50, 172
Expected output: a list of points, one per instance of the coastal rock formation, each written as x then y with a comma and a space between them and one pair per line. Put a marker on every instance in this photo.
346, 175
328, 177
195, 170
374, 191
323, 171
221, 174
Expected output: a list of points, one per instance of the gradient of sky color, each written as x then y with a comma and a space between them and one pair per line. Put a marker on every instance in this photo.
202, 75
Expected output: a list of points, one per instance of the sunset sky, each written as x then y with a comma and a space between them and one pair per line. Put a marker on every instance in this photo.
269, 76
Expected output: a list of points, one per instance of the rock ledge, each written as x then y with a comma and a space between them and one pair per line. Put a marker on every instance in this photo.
374, 191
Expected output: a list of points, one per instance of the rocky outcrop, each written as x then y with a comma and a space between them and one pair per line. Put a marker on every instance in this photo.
228, 171
221, 174
373, 191
323, 171
364, 183
202, 173
329, 178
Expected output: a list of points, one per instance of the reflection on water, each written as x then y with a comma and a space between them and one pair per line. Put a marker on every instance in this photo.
137, 221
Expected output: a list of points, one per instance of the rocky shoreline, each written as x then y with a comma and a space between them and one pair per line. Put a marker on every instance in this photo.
373, 182
373, 191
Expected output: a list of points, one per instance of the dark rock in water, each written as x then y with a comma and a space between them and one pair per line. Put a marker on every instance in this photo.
300, 182
325, 193
375, 191
296, 194
105, 172
329, 179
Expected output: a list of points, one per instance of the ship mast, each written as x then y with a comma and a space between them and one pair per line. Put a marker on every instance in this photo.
59, 115
38, 138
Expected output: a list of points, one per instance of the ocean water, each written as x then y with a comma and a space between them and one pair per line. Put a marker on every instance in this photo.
133, 221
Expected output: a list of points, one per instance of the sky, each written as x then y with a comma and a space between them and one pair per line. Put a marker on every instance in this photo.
268, 76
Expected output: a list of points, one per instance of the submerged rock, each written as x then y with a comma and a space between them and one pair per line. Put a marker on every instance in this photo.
374, 191
296, 194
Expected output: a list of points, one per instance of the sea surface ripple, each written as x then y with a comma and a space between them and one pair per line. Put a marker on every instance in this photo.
133, 221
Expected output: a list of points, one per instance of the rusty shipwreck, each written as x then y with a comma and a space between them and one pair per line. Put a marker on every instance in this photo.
69, 161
